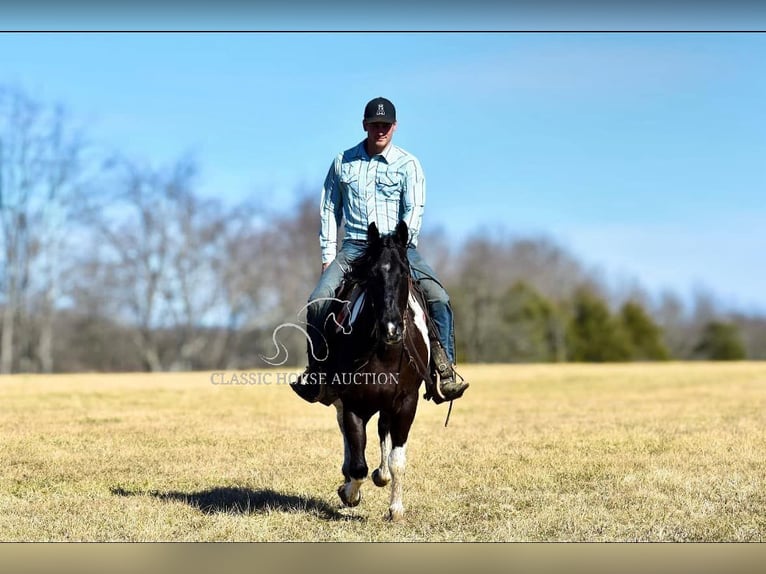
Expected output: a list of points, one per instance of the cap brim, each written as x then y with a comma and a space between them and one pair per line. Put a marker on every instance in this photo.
374, 120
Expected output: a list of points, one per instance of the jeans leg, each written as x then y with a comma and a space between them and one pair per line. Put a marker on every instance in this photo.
438, 301
319, 300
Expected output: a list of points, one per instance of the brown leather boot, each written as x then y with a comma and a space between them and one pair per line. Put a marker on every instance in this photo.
449, 386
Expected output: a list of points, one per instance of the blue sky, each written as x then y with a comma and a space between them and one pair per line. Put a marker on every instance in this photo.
644, 154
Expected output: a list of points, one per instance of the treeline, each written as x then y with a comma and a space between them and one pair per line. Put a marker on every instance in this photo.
529, 300
113, 264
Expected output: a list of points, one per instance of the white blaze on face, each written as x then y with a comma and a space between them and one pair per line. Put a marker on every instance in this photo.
391, 329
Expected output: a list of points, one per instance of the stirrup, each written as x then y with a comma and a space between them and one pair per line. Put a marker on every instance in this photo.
451, 388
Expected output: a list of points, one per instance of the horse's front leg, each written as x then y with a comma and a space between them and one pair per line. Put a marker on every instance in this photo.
356, 470
346, 452
381, 476
397, 460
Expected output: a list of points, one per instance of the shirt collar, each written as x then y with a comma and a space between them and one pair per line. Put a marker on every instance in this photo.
386, 153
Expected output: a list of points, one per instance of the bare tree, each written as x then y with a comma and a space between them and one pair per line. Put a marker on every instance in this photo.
157, 255
753, 328
41, 174
290, 265
240, 281
486, 266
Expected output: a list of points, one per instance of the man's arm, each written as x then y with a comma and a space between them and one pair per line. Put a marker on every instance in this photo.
330, 214
413, 198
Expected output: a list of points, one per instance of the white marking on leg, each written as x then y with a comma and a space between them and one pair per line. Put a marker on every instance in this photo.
397, 461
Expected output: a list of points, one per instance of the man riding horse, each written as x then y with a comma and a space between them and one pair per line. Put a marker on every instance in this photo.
375, 181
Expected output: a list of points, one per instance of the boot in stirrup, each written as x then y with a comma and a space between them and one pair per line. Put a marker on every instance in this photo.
307, 386
449, 386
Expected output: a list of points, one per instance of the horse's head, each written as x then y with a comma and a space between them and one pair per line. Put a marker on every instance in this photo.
385, 270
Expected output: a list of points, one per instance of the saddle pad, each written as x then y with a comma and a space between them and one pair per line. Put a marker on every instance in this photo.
349, 310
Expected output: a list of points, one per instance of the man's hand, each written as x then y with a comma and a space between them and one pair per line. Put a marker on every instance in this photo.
325, 266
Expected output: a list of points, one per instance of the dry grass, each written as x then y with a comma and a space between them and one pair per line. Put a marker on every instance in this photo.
669, 452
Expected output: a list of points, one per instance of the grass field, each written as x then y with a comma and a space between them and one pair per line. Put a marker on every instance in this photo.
640, 452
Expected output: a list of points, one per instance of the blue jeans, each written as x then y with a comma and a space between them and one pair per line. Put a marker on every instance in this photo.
438, 301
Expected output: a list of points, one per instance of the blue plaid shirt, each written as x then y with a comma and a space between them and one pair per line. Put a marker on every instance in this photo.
384, 188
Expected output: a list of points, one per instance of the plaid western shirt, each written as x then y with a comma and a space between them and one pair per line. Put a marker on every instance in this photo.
385, 188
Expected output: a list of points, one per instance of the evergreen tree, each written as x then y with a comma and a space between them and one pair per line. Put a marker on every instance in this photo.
593, 334
531, 323
644, 335
721, 342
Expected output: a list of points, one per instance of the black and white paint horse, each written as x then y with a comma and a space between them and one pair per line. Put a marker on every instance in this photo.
377, 363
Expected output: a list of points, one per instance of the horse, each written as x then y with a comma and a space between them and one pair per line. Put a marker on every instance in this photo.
378, 363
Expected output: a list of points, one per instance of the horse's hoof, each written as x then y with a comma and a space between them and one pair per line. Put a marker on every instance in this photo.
376, 478
396, 514
346, 502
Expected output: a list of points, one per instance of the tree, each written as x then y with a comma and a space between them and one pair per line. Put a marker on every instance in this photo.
721, 341
593, 334
753, 331
485, 267
478, 330
288, 264
157, 258
532, 325
41, 173
644, 335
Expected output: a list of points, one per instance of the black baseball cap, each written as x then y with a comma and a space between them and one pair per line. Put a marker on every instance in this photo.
380, 110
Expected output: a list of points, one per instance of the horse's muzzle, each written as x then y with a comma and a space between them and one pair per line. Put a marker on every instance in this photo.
393, 334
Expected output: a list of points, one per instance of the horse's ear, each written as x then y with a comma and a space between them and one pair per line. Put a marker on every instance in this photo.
402, 233
373, 235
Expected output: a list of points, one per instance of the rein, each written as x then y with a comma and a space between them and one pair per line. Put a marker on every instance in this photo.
407, 343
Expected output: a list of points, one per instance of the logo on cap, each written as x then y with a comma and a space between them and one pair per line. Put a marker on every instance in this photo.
380, 110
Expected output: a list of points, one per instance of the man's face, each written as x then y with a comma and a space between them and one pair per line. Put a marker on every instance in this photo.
379, 135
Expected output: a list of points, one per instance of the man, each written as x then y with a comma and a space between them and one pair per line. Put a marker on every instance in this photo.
375, 181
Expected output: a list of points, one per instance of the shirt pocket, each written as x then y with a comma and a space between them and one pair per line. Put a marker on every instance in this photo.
349, 177
388, 184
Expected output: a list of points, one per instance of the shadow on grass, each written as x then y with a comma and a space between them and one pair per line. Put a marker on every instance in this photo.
237, 500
